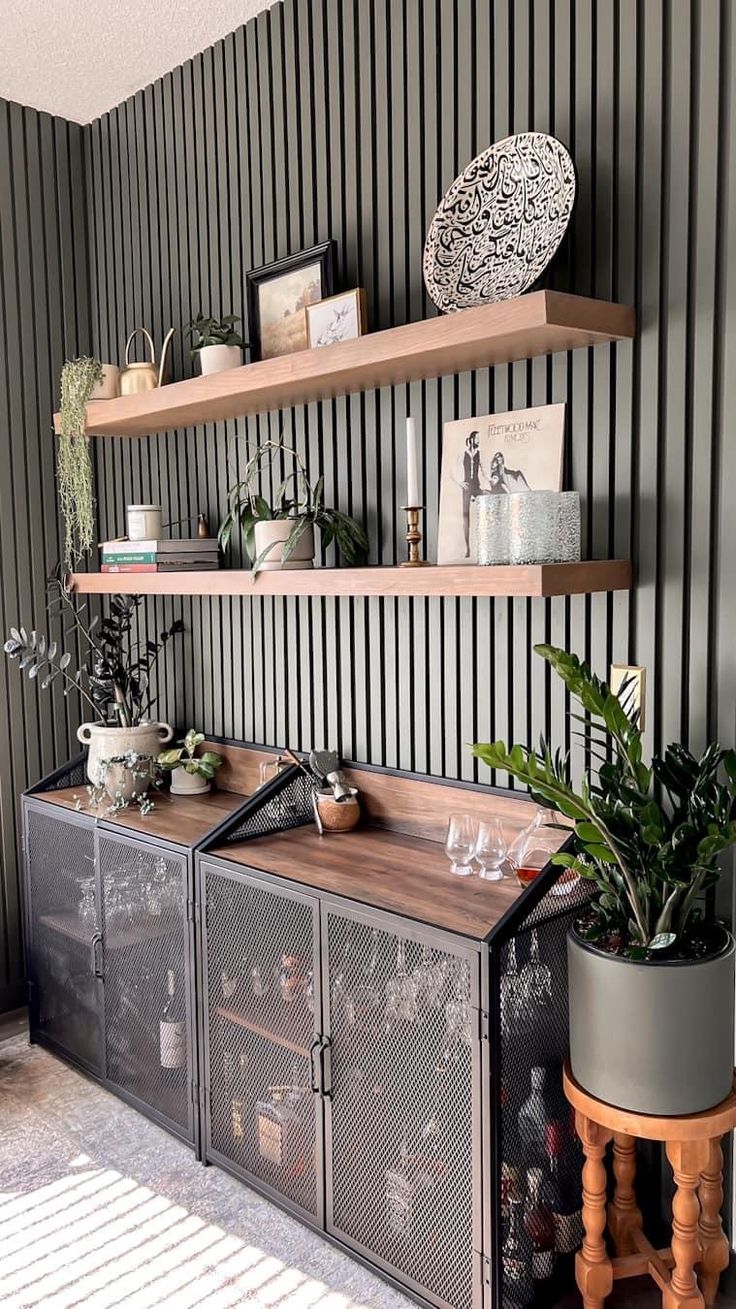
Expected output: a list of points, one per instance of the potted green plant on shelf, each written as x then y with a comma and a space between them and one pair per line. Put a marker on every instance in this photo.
113, 678
280, 533
217, 342
191, 773
651, 973
75, 477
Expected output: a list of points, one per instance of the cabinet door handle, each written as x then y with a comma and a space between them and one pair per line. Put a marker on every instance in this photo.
326, 1061
315, 1070
96, 966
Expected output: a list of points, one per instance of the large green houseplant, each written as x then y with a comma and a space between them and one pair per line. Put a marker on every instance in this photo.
651, 976
279, 533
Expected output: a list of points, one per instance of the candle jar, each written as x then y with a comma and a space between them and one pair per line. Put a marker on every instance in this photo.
544, 527
144, 522
492, 528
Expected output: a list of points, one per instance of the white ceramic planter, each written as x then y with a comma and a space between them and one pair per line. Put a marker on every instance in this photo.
184, 783
219, 358
106, 742
109, 387
276, 533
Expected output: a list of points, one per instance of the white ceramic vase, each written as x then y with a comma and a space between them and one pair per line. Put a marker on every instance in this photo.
276, 532
107, 742
219, 358
184, 783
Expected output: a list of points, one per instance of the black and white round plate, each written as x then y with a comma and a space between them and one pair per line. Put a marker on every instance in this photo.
500, 223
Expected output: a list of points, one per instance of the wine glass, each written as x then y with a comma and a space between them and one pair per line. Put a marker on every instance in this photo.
430, 976
458, 1014
462, 832
490, 849
401, 993
511, 995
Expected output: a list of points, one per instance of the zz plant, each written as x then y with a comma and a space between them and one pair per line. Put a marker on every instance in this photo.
75, 476
648, 836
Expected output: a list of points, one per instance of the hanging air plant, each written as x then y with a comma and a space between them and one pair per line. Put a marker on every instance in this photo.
74, 470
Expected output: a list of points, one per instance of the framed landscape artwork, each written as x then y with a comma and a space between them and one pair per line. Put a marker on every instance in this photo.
498, 454
278, 295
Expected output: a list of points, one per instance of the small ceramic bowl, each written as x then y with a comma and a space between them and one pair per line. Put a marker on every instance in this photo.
338, 815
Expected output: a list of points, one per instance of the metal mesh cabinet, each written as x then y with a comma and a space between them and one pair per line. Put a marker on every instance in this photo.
262, 1056
403, 1151
62, 934
146, 967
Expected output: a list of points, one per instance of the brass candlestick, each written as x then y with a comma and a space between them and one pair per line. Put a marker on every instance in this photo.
413, 536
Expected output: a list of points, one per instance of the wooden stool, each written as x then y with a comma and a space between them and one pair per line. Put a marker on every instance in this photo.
693, 1148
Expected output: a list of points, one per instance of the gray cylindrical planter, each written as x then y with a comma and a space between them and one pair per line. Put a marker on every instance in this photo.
652, 1037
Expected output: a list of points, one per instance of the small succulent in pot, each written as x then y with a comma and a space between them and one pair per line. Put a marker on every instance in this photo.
191, 773
280, 533
217, 342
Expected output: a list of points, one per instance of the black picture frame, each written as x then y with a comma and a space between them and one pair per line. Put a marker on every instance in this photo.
324, 255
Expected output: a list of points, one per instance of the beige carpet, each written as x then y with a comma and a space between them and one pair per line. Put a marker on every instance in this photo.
100, 1208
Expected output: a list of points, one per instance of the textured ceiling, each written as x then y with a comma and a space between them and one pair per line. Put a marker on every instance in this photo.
78, 58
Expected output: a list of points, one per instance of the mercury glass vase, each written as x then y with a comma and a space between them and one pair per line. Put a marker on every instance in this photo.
492, 528
544, 527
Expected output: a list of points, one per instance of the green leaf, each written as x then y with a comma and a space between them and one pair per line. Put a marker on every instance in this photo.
662, 940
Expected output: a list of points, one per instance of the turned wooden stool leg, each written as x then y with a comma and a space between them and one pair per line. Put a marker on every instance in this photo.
688, 1158
624, 1215
714, 1249
593, 1271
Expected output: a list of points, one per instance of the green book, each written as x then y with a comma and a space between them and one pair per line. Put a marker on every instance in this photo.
129, 557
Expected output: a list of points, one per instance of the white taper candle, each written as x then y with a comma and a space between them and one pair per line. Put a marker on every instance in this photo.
413, 497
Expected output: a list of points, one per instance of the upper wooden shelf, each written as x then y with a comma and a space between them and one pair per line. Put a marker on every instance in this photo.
539, 323
527, 580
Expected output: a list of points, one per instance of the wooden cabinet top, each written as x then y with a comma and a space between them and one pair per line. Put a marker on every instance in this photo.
383, 869
183, 820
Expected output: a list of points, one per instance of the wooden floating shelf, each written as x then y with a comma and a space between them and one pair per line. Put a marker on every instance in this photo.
539, 323
526, 580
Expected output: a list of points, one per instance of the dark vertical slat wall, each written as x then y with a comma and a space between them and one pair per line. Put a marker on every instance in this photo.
349, 119
44, 315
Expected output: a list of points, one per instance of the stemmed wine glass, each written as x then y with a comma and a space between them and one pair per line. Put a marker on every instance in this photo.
490, 849
462, 833
401, 993
512, 995
536, 978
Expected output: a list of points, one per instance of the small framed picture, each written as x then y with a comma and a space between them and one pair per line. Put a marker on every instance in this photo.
340, 318
278, 295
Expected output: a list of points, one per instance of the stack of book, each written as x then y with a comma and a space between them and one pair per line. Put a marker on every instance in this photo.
189, 555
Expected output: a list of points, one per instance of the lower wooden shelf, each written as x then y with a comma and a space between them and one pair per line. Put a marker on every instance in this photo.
231, 1016
451, 580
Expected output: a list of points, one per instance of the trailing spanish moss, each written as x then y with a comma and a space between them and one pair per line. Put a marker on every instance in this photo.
74, 468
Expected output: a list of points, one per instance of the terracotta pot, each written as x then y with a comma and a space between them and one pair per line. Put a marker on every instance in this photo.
275, 533
219, 358
184, 783
107, 742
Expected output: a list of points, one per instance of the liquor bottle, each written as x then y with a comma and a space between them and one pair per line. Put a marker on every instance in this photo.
564, 1189
533, 1118
539, 1226
516, 1256
173, 1033
281, 1128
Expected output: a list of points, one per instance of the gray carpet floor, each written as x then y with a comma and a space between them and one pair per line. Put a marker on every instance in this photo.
100, 1208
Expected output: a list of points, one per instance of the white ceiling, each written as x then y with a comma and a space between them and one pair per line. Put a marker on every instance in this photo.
79, 58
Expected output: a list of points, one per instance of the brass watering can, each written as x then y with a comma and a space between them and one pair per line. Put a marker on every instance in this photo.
144, 377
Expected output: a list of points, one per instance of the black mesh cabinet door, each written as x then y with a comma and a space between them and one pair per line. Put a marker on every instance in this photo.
402, 1123
147, 971
262, 1055
63, 922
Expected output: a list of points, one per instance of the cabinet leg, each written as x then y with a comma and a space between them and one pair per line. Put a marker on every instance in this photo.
688, 1159
714, 1250
624, 1215
593, 1270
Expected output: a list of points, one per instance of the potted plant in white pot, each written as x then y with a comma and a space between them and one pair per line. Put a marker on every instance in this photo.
113, 678
191, 773
280, 534
217, 342
651, 974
